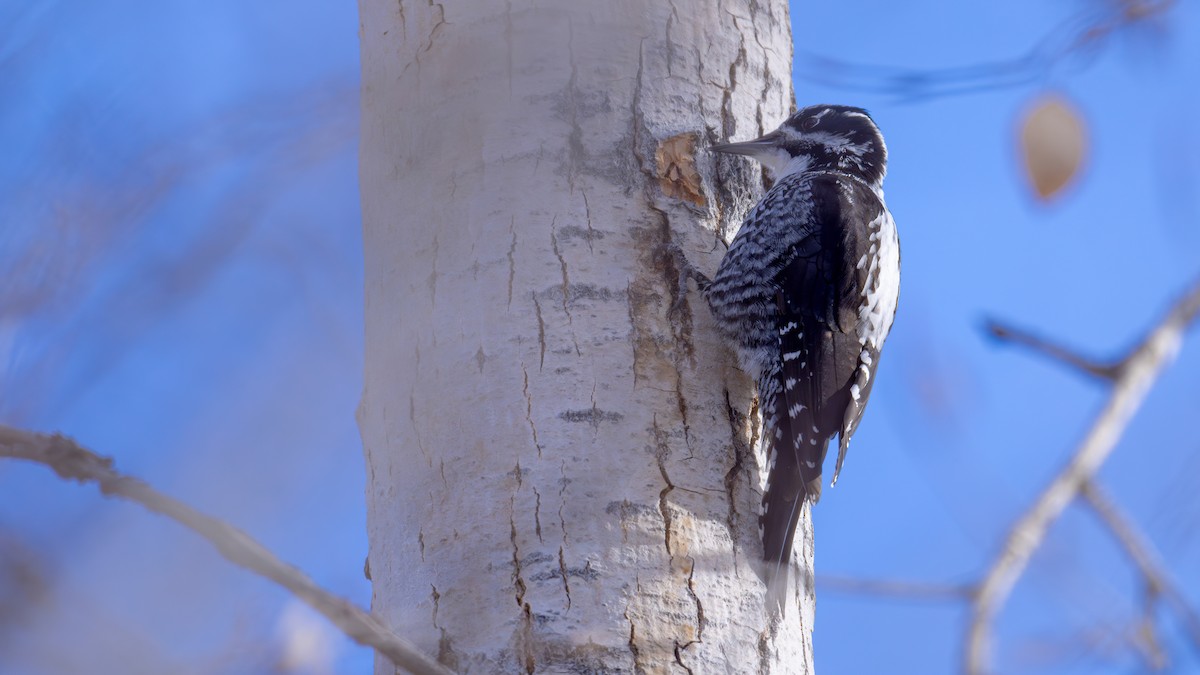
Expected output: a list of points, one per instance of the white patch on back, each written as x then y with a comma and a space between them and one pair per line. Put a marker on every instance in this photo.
882, 290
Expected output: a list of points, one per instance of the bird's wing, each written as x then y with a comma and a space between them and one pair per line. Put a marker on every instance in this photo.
819, 289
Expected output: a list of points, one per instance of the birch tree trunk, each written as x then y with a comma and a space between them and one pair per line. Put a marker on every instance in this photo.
561, 475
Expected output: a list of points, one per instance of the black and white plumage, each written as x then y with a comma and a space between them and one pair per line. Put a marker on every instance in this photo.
806, 294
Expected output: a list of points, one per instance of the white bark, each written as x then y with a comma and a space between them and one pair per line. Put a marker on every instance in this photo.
560, 472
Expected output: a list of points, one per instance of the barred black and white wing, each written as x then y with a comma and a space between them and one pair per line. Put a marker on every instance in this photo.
833, 308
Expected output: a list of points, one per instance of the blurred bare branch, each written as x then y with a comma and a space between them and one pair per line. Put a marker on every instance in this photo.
71, 225
23, 582
1158, 581
1005, 333
1136, 373
901, 590
72, 462
1080, 35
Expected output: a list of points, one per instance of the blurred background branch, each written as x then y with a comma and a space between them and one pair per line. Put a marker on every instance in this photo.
1157, 579
72, 462
1081, 37
1137, 372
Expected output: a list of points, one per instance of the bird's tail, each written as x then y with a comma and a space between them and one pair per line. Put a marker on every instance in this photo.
792, 479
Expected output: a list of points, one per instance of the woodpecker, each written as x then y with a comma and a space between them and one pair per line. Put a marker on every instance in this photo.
806, 295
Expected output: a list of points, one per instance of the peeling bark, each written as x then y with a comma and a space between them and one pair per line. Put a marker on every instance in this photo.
525, 169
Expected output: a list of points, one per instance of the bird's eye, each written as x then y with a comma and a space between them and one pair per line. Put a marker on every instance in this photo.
809, 124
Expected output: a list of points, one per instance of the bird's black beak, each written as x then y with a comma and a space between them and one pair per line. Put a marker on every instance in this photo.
750, 148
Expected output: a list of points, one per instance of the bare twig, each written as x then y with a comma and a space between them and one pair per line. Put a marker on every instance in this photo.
72, 462
1137, 372
1081, 35
904, 590
1159, 584
1005, 333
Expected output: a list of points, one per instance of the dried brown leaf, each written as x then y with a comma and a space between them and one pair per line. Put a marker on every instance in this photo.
1053, 144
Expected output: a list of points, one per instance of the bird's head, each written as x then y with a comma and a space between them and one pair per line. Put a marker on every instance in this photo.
820, 138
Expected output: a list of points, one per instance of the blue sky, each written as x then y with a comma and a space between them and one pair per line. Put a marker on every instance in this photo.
194, 305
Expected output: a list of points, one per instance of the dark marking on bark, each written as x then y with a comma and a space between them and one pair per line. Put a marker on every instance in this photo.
593, 416
568, 232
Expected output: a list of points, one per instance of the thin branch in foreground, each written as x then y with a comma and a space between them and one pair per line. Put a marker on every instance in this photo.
902, 590
1157, 579
1135, 374
72, 462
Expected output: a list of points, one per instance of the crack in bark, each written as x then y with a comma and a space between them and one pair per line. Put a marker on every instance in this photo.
562, 569
591, 234
566, 282
562, 489
727, 119
526, 641
660, 453
525, 636
691, 587
671, 19
764, 648
512, 263
446, 655
537, 308
437, 27
633, 327
634, 650
432, 282
436, 597
566, 278
421, 543
529, 411
679, 656
508, 39
412, 418
575, 149
636, 109
537, 515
